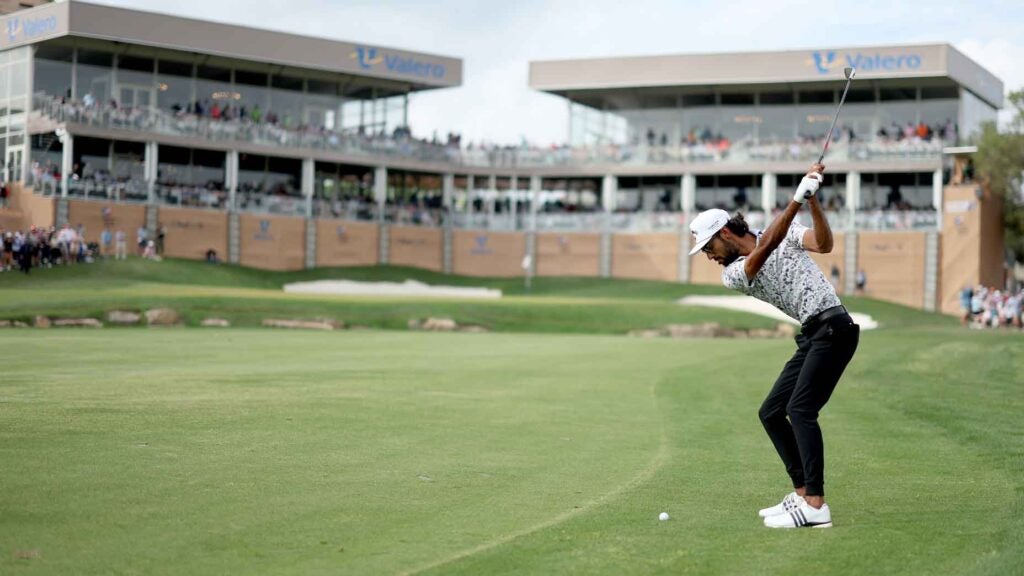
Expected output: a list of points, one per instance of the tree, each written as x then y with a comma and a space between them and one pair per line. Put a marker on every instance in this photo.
1000, 165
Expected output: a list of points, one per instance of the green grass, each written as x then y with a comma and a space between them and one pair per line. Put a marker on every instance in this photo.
253, 451
246, 296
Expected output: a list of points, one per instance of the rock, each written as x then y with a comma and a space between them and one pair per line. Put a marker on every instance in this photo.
705, 330
647, 333
77, 323
473, 329
215, 323
41, 322
123, 317
303, 324
785, 330
12, 324
162, 317
762, 333
414, 324
440, 325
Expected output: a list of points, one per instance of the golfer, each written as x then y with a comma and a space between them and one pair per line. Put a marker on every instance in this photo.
774, 265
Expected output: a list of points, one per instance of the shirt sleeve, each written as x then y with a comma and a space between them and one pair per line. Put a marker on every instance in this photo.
734, 276
795, 235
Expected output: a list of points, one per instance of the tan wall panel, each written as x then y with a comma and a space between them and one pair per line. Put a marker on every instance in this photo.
646, 256
568, 254
704, 271
993, 248
894, 265
488, 253
959, 263
191, 232
346, 243
39, 211
414, 246
96, 216
272, 242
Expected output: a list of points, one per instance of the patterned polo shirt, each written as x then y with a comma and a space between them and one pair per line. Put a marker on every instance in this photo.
789, 279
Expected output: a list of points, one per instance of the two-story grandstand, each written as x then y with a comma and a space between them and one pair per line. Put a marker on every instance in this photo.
284, 151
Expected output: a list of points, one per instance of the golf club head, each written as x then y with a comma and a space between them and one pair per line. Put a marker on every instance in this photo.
849, 73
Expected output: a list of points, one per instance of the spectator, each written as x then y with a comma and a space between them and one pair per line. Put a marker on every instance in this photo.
161, 235
141, 236
834, 276
966, 297
861, 281
121, 246
106, 242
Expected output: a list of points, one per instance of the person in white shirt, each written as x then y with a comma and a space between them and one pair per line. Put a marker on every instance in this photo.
774, 266
120, 246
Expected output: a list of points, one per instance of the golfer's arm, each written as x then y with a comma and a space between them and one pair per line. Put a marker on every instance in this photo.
770, 240
818, 239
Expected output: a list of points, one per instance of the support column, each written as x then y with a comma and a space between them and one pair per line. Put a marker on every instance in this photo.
937, 195
609, 196
531, 235
769, 185
931, 270
513, 202
850, 276
447, 202
308, 166
688, 185
67, 162
307, 185
470, 194
380, 195
852, 204
151, 170
492, 193
231, 179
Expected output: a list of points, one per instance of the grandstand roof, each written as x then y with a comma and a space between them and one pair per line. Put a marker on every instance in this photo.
84, 20
597, 76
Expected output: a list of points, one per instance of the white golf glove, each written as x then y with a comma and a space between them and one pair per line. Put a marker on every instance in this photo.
808, 186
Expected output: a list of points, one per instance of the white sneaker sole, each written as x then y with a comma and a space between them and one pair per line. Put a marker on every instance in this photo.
824, 525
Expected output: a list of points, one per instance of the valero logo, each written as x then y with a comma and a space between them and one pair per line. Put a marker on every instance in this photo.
825, 61
371, 58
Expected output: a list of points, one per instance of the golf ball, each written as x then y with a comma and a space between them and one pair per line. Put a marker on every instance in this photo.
663, 516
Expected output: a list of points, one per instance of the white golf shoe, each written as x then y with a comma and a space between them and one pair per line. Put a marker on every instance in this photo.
792, 500
803, 516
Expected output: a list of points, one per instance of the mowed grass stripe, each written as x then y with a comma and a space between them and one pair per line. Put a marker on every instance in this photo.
194, 443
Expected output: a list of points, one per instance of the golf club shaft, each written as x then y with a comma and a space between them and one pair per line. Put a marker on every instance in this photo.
828, 138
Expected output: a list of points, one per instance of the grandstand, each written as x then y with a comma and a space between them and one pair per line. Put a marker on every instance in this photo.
283, 151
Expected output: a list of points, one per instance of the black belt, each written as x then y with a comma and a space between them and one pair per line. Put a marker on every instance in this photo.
825, 314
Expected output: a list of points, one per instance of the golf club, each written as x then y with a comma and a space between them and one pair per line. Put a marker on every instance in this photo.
849, 73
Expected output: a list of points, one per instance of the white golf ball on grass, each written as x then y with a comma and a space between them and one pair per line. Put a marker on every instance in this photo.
663, 516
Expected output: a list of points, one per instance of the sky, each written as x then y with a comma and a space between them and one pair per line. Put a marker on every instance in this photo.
497, 40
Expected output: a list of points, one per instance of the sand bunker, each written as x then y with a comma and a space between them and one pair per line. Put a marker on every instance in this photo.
755, 306
407, 288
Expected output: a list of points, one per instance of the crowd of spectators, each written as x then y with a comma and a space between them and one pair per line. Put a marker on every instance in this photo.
230, 120
44, 247
989, 307
40, 247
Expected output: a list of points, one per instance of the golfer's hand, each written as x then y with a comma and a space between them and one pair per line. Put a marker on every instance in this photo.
809, 185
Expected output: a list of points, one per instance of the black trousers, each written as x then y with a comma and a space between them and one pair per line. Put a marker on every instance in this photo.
805, 385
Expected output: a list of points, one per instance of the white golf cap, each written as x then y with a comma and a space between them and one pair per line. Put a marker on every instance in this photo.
706, 225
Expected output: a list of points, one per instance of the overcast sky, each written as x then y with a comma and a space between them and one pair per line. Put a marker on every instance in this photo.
496, 40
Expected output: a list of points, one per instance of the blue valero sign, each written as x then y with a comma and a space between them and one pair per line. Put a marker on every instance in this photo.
826, 61
375, 58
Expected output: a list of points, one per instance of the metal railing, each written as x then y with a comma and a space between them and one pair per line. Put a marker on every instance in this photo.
380, 147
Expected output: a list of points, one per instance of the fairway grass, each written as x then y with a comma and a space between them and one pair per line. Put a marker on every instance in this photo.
252, 451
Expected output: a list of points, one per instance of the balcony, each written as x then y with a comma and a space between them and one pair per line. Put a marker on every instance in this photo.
376, 148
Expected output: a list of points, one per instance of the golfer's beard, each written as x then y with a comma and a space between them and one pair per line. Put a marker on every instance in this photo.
731, 254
